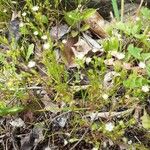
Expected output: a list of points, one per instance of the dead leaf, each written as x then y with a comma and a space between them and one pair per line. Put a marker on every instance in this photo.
108, 78
32, 139
81, 48
28, 116
67, 52
97, 24
57, 32
93, 43
49, 106
18, 122
96, 115
13, 28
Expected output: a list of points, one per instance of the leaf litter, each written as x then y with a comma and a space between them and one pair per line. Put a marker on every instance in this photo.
88, 47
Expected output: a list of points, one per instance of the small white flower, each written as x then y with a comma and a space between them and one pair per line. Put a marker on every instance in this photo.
137, 18
21, 24
130, 142
46, 46
35, 8
24, 14
109, 62
44, 37
47, 148
5, 10
95, 148
142, 65
88, 60
31, 64
64, 41
105, 96
65, 142
109, 126
35, 33
13, 2
145, 88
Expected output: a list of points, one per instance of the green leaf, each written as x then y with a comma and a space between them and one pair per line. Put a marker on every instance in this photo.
6, 110
85, 27
73, 17
145, 56
134, 81
24, 30
146, 120
134, 51
115, 9
44, 19
88, 13
136, 29
30, 51
148, 69
146, 13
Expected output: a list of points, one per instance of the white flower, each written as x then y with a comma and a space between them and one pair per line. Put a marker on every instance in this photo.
64, 41
145, 88
105, 96
88, 60
109, 126
137, 18
109, 62
46, 46
13, 2
47, 148
65, 142
35, 33
95, 148
35, 8
5, 10
21, 24
44, 37
31, 64
130, 142
24, 14
142, 65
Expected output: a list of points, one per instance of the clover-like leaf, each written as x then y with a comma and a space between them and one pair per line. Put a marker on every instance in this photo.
134, 51
146, 120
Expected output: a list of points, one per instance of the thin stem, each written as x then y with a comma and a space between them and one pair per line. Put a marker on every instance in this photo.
122, 10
